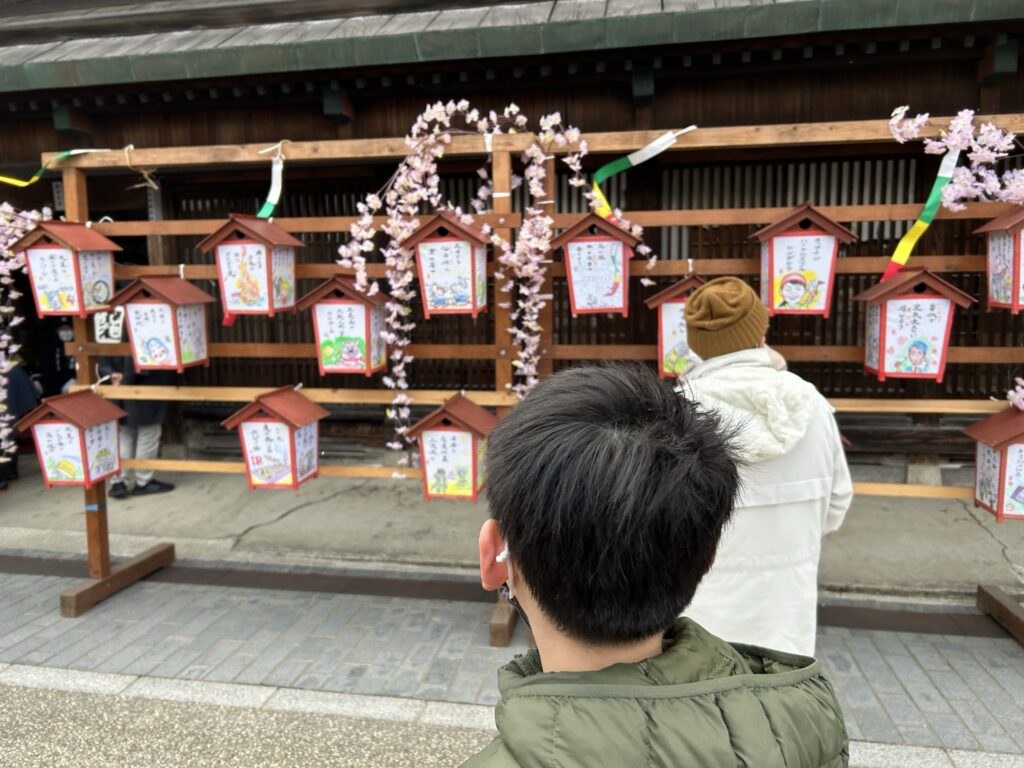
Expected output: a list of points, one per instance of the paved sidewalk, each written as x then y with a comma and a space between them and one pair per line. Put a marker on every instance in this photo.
952, 692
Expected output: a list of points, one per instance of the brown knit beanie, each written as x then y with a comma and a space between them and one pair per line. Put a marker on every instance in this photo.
723, 316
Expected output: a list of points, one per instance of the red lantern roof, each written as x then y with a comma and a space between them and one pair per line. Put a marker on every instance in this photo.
674, 291
252, 227
459, 411
69, 234
338, 284
906, 280
285, 404
83, 409
172, 290
1011, 221
449, 221
798, 215
1000, 429
582, 228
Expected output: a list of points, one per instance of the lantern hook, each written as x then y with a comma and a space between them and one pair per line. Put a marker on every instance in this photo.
99, 381
277, 149
181, 271
147, 173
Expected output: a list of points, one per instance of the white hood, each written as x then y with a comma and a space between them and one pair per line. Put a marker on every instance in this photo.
771, 409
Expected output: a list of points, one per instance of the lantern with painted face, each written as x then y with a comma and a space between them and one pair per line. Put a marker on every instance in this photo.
999, 466
674, 355
348, 325
596, 253
70, 267
451, 259
1004, 260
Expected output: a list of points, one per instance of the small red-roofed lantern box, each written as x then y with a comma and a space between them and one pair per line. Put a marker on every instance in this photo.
1005, 260
348, 325
908, 321
673, 352
451, 259
798, 261
76, 438
596, 253
70, 267
999, 467
452, 442
280, 434
255, 266
167, 323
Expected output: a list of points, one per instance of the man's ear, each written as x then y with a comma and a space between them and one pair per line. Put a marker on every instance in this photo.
492, 573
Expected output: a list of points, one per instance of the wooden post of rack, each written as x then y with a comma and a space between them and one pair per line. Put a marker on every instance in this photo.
103, 580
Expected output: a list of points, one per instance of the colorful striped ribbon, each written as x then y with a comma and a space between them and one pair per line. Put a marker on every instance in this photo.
274, 195
906, 244
10, 180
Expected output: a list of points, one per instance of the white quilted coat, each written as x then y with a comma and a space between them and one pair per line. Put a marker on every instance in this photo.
795, 488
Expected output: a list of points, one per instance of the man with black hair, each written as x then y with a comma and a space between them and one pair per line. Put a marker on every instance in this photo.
608, 494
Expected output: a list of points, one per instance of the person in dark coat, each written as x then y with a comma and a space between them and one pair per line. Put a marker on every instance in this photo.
21, 397
141, 428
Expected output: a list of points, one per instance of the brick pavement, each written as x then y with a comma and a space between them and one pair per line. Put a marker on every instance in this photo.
895, 687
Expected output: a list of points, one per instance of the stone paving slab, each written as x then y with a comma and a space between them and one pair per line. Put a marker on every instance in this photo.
939, 691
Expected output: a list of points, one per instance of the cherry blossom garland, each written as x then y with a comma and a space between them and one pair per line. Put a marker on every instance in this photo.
1016, 395
984, 147
13, 226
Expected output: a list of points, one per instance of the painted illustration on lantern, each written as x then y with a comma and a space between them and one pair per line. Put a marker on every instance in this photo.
1000, 271
53, 278
378, 350
192, 332
914, 336
61, 451
799, 290
481, 276
97, 277
446, 265
1013, 492
101, 449
449, 461
244, 275
987, 476
802, 266
675, 352
282, 259
596, 267
305, 450
267, 447
872, 340
152, 331
342, 329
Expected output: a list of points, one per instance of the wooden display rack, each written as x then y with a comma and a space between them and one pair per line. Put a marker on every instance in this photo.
501, 350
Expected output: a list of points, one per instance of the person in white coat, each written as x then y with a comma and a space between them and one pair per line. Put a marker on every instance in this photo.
794, 481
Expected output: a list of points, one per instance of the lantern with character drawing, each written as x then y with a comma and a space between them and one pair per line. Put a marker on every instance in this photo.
999, 466
348, 326
451, 258
1004, 260
596, 254
674, 354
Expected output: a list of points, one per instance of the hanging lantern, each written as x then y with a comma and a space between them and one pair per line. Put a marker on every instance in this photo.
167, 323
999, 467
255, 266
596, 254
451, 259
70, 268
280, 438
76, 438
909, 319
673, 353
348, 325
798, 261
1004, 260
452, 441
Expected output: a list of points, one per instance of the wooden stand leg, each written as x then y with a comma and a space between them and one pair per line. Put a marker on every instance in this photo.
1004, 609
97, 537
503, 621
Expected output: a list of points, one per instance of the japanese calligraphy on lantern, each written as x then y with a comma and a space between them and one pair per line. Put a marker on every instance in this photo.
267, 453
282, 259
192, 332
1013, 493
101, 450
873, 336
60, 452
53, 279
766, 283
1000, 269
481, 276
243, 277
987, 476
674, 353
446, 266
152, 335
596, 267
802, 272
342, 331
97, 273
448, 462
915, 335
306, 460
378, 350
109, 326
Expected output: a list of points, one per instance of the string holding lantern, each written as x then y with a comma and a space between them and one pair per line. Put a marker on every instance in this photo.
280, 436
999, 464
908, 322
798, 261
167, 323
452, 442
70, 268
347, 324
76, 438
596, 254
1004, 260
255, 265
674, 354
451, 259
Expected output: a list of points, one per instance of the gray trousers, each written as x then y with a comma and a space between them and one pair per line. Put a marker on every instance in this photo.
139, 443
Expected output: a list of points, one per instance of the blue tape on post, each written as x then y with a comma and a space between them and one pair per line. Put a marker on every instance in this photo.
94, 507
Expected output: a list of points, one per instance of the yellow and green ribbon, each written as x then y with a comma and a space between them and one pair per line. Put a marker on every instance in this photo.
924, 219
11, 181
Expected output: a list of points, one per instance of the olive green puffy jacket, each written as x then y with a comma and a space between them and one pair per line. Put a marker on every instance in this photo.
702, 702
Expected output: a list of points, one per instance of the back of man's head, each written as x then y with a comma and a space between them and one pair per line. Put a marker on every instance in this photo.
611, 492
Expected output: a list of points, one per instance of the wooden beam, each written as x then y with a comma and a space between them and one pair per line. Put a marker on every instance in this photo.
749, 136
915, 491
1007, 612
793, 353
264, 350
77, 599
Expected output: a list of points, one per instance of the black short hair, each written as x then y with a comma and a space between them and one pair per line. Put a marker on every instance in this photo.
611, 491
